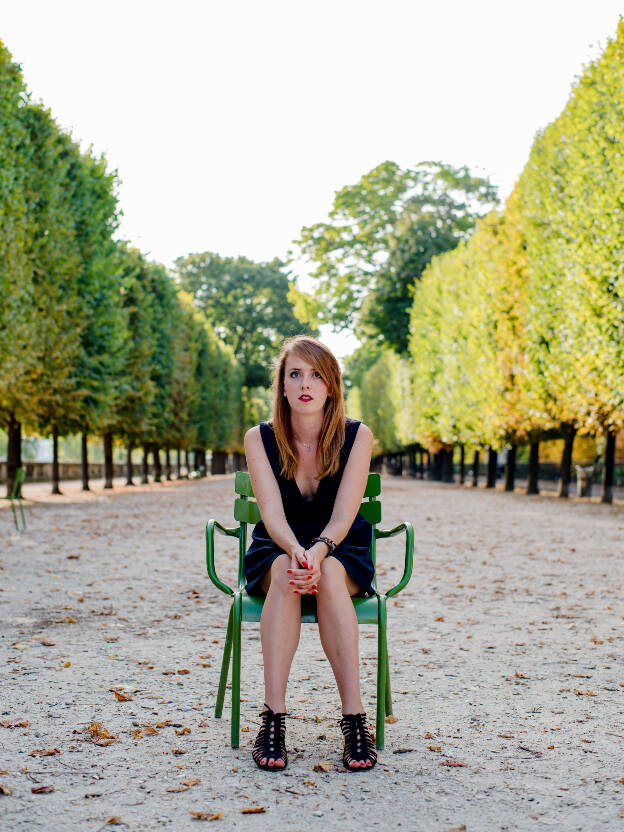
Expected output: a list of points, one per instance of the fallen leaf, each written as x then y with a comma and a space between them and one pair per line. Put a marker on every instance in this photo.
6, 790
179, 788
14, 723
178, 751
42, 789
73, 557
121, 697
428, 735
403, 750
185, 785
206, 815
194, 781
67, 620
434, 747
452, 764
45, 641
67, 664
252, 810
584, 692
440, 618
181, 731
97, 734
323, 765
507, 736
391, 719
183, 671
461, 828
45, 752
115, 820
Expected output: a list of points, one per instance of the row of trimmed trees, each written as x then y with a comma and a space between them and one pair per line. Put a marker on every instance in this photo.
94, 339
517, 334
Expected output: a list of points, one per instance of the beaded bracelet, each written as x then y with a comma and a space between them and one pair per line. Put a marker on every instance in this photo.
329, 543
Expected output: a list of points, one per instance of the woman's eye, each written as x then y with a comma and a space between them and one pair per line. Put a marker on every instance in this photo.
317, 375
294, 373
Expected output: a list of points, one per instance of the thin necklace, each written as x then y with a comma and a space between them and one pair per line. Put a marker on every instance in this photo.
307, 446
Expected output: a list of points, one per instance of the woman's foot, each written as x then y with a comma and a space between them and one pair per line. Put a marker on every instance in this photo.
269, 751
359, 748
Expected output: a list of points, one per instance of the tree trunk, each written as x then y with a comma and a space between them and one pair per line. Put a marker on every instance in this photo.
157, 466
421, 464
448, 473
510, 469
14, 451
167, 464
179, 463
533, 485
218, 462
608, 470
85, 463
56, 487
145, 465
462, 465
491, 469
475, 469
566, 461
129, 464
108, 459
187, 462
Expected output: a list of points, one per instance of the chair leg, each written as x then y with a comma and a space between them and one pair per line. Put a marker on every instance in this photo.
382, 663
14, 516
388, 688
225, 666
23, 518
236, 667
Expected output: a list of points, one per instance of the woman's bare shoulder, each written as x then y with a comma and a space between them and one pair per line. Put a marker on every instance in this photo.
364, 433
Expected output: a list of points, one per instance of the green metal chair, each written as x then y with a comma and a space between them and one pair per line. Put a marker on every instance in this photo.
16, 497
370, 610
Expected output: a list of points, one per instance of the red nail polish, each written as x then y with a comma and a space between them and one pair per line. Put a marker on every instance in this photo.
291, 582
313, 586
289, 571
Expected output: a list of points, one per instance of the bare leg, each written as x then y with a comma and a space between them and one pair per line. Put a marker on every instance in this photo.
280, 626
338, 629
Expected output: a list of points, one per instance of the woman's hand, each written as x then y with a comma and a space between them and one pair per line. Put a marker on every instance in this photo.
305, 576
299, 573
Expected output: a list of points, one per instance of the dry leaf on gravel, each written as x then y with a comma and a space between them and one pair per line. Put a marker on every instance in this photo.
45, 641
180, 731
6, 790
67, 664
206, 815
97, 734
42, 789
323, 765
185, 785
115, 820
391, 719
403, 750
122, 697
14, 723
584, 692
253, 810
178, 751
45, 752
461, 828
183, 671
452, 764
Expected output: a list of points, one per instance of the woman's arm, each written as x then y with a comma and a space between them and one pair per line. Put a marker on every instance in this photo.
268, 495
352, 487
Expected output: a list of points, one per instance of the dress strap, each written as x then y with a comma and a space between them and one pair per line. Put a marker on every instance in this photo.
351, 429
270, 446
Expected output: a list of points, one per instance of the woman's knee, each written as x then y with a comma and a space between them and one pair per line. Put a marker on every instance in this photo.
333, 576
278, 577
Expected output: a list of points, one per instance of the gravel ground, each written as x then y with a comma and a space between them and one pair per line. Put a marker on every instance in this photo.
506, 654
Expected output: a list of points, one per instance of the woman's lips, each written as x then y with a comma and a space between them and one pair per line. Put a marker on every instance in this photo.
305, 398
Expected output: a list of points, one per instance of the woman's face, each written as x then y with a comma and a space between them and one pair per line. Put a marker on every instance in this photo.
304, 388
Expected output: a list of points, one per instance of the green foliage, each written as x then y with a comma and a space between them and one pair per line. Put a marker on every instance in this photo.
381, 233
248, 305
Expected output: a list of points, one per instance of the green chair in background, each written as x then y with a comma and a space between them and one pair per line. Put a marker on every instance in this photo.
369, 610
16, 497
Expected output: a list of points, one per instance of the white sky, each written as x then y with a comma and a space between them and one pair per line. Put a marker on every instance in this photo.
232, 123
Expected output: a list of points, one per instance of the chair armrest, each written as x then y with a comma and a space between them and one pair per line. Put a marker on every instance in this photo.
409, 553
210, 527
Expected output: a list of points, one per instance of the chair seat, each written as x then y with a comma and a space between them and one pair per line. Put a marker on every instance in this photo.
367, 609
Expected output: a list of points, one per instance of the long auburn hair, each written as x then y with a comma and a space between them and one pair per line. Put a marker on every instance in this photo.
333, 428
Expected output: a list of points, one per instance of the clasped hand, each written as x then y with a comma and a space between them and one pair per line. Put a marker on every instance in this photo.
305, 569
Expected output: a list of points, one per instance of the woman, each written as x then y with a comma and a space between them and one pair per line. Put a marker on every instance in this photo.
309, 469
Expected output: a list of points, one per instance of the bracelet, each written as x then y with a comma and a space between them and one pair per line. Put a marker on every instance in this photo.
329, 543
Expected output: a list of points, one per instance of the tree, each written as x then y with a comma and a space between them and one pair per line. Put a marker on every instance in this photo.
351, 250
248, 305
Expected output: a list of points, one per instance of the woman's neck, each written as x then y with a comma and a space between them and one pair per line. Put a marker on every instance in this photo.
306, 429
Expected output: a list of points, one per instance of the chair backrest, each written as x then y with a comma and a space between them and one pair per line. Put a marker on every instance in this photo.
246, 508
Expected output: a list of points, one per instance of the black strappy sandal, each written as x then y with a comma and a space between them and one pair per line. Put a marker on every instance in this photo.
271, 741
359, 744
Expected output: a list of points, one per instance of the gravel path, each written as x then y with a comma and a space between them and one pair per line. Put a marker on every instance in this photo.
506, 652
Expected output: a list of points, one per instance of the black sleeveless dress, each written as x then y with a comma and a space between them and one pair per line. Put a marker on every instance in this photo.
307, 517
